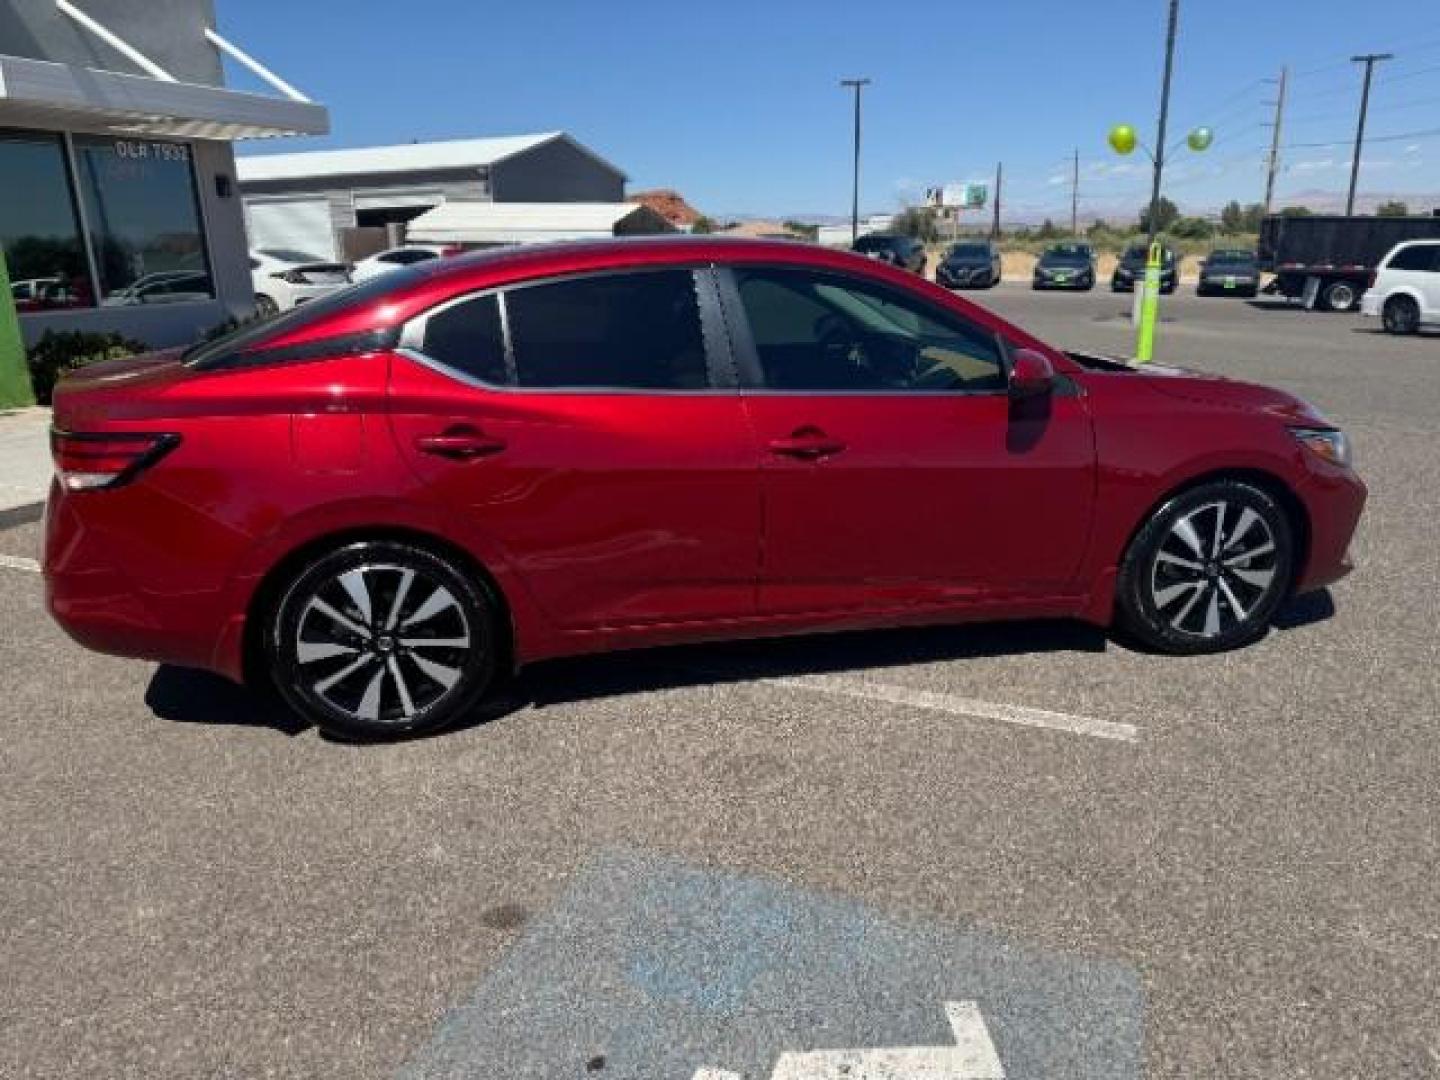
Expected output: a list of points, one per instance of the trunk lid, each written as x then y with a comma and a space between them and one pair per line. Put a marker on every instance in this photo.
130, 388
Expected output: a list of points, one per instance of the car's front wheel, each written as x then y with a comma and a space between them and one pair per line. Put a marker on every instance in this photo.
265, 306
1208, 570
381, 639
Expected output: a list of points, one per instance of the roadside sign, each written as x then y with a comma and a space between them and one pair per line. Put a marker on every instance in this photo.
964, 196
648, 968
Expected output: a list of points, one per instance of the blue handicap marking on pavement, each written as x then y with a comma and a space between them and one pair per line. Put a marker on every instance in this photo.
648, 968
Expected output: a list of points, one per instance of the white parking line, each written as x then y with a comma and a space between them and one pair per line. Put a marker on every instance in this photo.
954, 705
14, 562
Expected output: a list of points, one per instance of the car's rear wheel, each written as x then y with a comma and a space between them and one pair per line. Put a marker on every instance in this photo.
380, 639
1208, 570
1341, 296
265, 306
1401, 315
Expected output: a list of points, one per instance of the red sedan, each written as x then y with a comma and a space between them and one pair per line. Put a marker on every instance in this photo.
386, 499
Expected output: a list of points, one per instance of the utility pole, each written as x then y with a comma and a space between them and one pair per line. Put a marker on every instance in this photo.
1164, 117
995, 222
857, 85
1369, 60
1274, 165
1075, 195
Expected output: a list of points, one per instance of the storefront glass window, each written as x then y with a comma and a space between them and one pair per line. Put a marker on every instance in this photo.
39, 231
144, 220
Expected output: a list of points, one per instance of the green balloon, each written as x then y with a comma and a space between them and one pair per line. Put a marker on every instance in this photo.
1200, 138
1123, 138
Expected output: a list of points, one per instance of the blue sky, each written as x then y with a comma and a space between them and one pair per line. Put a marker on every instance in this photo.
737, 105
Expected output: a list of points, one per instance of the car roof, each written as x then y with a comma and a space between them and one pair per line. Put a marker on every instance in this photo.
538, 260
409, 290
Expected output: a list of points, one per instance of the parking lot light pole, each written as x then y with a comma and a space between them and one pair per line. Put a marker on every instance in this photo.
857, 85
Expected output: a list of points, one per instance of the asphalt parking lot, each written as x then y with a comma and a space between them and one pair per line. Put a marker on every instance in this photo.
1024, 841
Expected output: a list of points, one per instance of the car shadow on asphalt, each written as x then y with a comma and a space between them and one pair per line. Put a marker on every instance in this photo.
1380, 331
186, 696
1307, 610
575, 679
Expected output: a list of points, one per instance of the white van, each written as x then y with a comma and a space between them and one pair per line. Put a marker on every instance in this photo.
1405, 288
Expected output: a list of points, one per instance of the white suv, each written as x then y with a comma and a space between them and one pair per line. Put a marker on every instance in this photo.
1405, 288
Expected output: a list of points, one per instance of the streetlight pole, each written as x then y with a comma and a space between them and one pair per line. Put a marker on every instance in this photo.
1164, 117
1369, 60
1075, 195
995, 221
857, 85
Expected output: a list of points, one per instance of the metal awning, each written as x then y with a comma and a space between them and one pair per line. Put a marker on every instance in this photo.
38, 93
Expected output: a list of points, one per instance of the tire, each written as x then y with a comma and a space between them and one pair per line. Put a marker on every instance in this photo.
336, 654
1178, 591
1341, 296
1401, 315
265, 306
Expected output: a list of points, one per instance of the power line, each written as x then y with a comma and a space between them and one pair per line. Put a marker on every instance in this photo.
1386, 80
1396, 137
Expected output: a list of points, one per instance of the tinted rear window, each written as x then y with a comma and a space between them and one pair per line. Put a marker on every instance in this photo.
468, 337
609, 331
1416, 257
253, 335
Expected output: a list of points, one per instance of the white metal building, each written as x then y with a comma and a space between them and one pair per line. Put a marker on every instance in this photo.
325, 201
478, 224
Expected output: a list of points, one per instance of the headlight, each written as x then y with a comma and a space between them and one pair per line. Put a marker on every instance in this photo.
1327, 443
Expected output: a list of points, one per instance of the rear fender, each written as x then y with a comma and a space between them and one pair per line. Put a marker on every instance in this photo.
533, 634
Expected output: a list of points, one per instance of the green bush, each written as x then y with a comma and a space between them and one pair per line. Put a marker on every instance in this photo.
60, 351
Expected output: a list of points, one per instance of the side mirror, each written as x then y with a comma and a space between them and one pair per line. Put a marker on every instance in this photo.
1031, 374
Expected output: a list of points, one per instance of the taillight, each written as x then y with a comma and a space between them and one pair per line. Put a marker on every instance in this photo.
89, 461
1370, 282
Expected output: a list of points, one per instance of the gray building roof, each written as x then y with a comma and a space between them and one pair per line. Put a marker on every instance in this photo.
403, 158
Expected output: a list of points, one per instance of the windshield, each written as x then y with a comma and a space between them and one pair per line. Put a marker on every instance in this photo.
1229, 257
290, 255
1140, 254
1066, 255
969, 251
876, 243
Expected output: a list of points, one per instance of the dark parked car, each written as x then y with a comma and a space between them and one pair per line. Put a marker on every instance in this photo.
385, 500
1065, 266
903, 251
1131, 268
971, 263
1229, 273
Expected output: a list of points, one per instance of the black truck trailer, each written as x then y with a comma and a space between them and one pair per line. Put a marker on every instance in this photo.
1327, 260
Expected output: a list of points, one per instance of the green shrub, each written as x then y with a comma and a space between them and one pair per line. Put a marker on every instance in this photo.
65, 350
